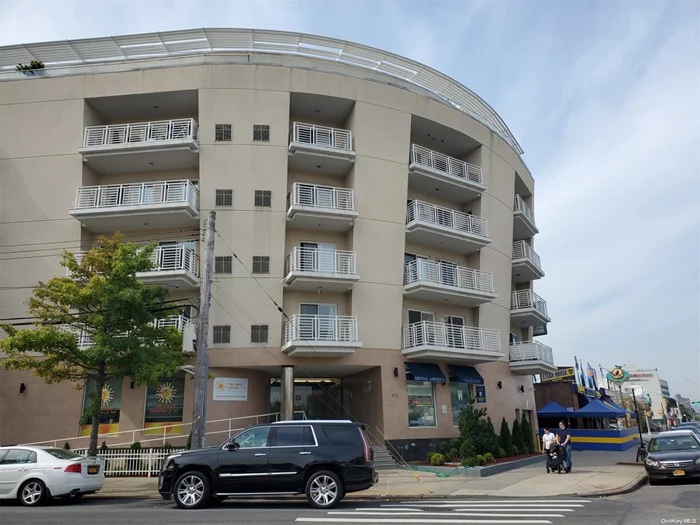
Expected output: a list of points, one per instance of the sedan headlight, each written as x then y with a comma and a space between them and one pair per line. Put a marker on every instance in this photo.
651, 462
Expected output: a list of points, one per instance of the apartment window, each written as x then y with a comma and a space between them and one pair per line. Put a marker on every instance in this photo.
223, 264
261, 264
261, 133
258, 333
224, 197
263, 198
222, 132
222, 334
421, 404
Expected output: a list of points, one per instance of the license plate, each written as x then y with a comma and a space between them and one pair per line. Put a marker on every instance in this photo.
93, 469
679, 472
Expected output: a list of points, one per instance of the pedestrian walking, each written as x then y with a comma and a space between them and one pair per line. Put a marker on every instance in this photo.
547, 439
564, 439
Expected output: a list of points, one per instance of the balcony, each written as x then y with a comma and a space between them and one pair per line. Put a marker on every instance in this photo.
310, 270
523, 220
313, 207
455, 179
526, 263
320, 336
319, 149
531, 358
453, 343
443, 282
528, 309
139, 206
456, 231
182, 323
142, 146
174, 266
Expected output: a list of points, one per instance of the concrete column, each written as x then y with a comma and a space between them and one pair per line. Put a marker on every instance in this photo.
287, 387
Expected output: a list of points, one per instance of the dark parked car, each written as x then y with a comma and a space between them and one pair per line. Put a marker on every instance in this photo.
693, 427
674, 454
322, 459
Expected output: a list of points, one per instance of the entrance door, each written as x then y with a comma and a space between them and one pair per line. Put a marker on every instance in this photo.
318, 322
454, 331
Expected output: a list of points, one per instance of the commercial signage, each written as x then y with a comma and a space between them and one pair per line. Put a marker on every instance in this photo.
640, 376
480, 394
563, 374
164, 406
588, 391
230, 389
617, 375
110, 406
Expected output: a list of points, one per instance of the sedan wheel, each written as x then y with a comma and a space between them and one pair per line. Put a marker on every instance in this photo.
192, 490
324, 490
32, 493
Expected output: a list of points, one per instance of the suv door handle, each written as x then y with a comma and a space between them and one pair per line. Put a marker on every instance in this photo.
304, 453
258, 455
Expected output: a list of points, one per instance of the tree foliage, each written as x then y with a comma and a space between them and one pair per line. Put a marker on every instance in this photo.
476, 431
526, 431
102, 303
518, 437
505, 438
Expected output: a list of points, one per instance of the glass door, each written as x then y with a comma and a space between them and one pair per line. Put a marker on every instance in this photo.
307, 258
454, 331
422, 333
318, 322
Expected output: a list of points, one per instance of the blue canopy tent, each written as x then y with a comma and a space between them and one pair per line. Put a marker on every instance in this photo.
553, 409
618, 407
596, 408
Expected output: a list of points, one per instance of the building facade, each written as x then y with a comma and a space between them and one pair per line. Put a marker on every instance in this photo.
654, 389
382, 205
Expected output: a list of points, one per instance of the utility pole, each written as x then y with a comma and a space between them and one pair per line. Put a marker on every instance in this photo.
201, 371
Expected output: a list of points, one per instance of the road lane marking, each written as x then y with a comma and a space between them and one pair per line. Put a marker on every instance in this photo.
375, 521
372, 512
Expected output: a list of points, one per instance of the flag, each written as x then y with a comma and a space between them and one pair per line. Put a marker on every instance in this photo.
591, 376
580, 372
602, 375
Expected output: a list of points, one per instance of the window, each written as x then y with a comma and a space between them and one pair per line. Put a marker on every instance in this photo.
253, 438
421, 404
294, 436
261, 133
19, 456
222, 334
258, 333
343, 435
460, 394
224, 197
222, 132
223, 264
62, 453
263, 198
261, 264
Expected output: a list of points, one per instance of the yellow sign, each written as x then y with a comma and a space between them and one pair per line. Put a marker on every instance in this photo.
564, 374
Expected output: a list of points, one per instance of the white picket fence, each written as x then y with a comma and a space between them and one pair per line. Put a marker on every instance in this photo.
129, 462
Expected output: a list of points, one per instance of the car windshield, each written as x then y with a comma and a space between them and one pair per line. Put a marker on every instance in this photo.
62, 453
671, 444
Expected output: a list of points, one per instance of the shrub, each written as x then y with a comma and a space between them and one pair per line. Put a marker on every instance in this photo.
66, 445
455, 443
467, 449
136, 446
454, 455
500, 453
480, 460
430, 455
167, 446
468, 462
103, 447
437, 459
489, 458
444, 448
518, 436
475, 428
505, 439
188, 446
515, 452
526, 431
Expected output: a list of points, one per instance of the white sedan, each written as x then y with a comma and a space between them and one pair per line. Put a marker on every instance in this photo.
35, 474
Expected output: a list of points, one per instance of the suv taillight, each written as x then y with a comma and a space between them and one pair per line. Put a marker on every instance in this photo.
74, 468
368, 450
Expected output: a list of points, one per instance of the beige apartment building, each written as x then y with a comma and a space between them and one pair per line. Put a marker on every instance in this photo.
384, 206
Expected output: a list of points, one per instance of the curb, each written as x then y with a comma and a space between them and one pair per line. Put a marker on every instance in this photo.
393, 497
636, 484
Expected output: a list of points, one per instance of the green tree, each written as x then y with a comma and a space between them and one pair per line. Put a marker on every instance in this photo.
102, 301
518, 437
475, 433
526, 431
505, 438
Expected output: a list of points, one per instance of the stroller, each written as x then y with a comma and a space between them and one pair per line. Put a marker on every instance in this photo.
555, 460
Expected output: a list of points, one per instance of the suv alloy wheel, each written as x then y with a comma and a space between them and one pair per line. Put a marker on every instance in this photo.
192, 490
324, 489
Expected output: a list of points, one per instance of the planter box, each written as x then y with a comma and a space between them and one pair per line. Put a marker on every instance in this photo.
488, 470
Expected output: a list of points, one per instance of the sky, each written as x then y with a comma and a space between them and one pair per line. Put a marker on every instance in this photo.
603, 96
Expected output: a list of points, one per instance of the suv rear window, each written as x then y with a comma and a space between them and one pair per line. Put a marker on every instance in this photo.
343, 434
62, 453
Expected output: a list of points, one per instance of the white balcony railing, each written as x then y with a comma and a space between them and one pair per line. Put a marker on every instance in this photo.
448, 274
141, 132
519, 205
85, 339
322, 136
449, 336
531, 351
313, 260
455, 220
522, 250
165, 259
448, 165
321, 328
138, 194
324, 197
526, 299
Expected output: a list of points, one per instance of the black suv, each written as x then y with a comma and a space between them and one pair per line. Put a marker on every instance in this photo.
322, 459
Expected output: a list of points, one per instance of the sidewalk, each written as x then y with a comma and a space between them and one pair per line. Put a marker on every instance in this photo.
594, 474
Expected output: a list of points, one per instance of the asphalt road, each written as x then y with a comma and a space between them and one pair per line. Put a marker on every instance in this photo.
649, 505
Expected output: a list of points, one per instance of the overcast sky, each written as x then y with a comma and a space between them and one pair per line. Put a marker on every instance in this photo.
603, 98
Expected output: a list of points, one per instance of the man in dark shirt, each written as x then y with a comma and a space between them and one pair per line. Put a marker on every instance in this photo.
565, 441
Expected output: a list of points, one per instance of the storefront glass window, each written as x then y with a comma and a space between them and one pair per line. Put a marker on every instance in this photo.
460, 393
421, 404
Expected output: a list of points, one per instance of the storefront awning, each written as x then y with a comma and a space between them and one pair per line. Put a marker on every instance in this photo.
425, 372
466, 374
